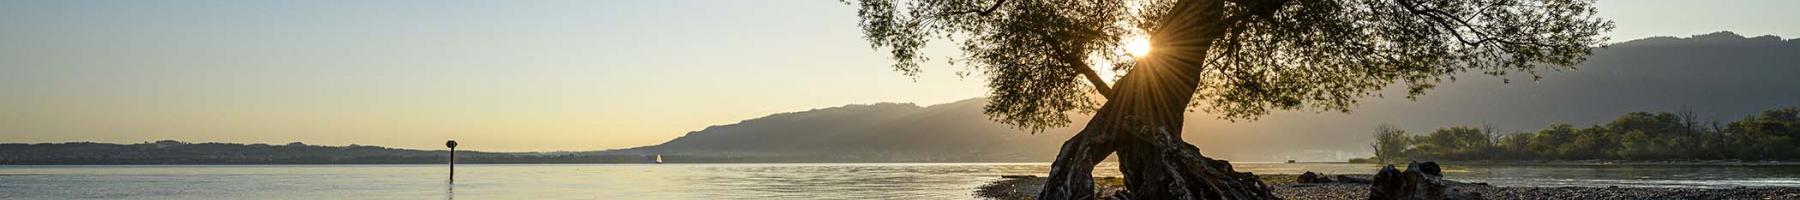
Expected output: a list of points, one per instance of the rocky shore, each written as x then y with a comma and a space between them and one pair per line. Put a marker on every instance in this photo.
1286, 186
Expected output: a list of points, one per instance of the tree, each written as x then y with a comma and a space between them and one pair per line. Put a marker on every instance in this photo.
1593, 143
1390, 143
1515, 145
1549, 142
1456, 143
1644, 135
1768, 135
1493, 134
1236, 58
1637, 145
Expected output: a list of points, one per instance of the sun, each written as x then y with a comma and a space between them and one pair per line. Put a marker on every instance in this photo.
1139, 47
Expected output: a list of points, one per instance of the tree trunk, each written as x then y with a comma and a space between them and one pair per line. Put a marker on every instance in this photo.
1071, 175
1143, 119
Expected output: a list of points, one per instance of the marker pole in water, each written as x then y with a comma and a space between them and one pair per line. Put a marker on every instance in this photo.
452, 145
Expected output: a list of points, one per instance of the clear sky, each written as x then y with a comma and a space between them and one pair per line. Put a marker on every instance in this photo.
499, 75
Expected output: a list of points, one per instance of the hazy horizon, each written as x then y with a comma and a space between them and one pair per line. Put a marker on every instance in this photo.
515, 76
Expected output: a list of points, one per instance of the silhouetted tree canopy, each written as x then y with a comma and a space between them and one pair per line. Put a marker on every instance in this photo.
1768, 135
1321, 55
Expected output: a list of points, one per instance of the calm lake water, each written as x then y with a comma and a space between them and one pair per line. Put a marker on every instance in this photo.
719, 181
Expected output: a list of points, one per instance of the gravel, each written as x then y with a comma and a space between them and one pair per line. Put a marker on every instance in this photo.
1024, 187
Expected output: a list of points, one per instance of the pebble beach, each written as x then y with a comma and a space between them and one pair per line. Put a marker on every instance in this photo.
1284, 186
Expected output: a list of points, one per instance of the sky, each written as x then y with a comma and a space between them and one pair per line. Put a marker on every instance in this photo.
500, 75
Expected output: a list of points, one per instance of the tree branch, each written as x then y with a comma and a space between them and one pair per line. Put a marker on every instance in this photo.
1076, 63
1450, 23
1099, 84
984, 12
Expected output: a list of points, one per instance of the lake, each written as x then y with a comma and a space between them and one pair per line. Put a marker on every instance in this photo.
722, 181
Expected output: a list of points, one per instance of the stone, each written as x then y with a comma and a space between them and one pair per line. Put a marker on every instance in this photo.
1420, 181
1428, 167
1310, 177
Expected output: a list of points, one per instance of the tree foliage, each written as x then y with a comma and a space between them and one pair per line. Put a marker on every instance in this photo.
1040, 56
1460, 142
1390, 142
1769, 135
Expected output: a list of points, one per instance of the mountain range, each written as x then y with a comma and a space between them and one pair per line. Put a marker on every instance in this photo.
1721, 76
883, 132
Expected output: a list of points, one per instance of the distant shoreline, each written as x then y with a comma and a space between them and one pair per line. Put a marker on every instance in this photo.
1451, 163
1557, 163
546, 163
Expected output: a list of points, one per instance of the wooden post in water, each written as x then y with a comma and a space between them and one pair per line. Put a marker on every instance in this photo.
452, 145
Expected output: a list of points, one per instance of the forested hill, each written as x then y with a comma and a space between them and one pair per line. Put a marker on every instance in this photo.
885, 132
1721, 76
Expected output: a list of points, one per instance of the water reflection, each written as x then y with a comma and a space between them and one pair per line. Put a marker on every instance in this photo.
719, 181
936, 181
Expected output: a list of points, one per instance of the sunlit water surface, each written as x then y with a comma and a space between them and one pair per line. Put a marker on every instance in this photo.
719, 181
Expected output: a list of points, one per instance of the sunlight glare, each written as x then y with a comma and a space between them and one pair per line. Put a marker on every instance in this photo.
1139, 47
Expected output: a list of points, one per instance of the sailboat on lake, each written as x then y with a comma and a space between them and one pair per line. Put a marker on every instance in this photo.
658, 158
